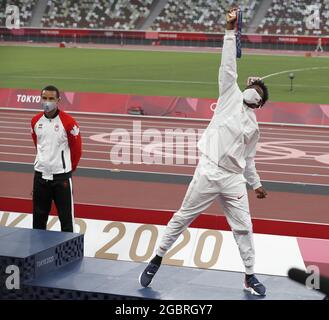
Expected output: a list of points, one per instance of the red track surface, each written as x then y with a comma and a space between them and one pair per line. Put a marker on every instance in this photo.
302, 152
286, 154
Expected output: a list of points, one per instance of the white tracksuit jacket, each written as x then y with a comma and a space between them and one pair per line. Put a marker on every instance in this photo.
58, 143
231, 137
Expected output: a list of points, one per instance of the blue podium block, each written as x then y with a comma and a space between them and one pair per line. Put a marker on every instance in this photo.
35, 253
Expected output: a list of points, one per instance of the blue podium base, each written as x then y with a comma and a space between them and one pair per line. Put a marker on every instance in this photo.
51, 266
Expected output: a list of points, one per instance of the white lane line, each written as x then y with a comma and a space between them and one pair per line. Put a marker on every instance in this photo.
160, 118
197, 131
117, 122
108, 160
15, 117
108, 145
17, 133
298, 85
15, 111
300, 145
121, 162
293, 70
15, 146
114, 117
120, 122
164, 118
267, 133
167, 131
166, 149
290, 165
189, 165
294, 173
15, 139
26, 128
178, 174
16, 122
185, 155
113, 126
17, 154
141, 163
176, 124
32, 147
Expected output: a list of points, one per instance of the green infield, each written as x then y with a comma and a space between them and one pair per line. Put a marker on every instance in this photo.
158, 73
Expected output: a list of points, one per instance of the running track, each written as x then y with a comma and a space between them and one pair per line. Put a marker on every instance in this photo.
285, 154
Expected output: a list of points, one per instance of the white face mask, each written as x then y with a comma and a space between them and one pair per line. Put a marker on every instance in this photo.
251, 96
48, 106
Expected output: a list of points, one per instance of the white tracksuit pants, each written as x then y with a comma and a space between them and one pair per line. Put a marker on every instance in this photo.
211, 182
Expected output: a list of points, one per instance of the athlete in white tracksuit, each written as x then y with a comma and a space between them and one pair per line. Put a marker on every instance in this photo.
228, 147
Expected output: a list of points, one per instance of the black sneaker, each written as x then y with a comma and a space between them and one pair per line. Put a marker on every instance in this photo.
255, 287
146, 277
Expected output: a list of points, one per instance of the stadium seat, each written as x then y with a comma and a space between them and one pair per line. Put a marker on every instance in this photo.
288, 17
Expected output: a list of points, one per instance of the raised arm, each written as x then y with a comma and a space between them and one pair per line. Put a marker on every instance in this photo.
227, 76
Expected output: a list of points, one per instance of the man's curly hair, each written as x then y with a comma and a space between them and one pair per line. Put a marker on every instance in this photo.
264, 88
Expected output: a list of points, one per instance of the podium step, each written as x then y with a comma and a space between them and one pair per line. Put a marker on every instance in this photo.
35, 253
93, 278
51, 267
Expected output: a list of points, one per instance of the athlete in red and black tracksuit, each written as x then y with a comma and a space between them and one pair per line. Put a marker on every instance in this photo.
58, 142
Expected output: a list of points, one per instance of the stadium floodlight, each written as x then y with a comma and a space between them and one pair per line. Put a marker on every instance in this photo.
291, 77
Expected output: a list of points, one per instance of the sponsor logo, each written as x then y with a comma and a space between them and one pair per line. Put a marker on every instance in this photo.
45, 261
54, 32
288, 39
168, 35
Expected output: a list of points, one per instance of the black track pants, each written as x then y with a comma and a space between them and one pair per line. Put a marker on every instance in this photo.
44, 192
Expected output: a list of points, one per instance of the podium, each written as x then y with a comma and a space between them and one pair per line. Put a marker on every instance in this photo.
34, 253
51, 265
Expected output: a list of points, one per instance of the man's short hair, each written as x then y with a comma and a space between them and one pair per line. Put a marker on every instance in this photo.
264, 88
51, 88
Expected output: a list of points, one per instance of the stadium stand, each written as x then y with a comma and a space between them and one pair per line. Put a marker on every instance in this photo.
289, 17
199, 15
114, 14
282, 17
25, 10
190, 15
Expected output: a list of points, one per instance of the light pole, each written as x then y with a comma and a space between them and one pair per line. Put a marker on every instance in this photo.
291, 77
